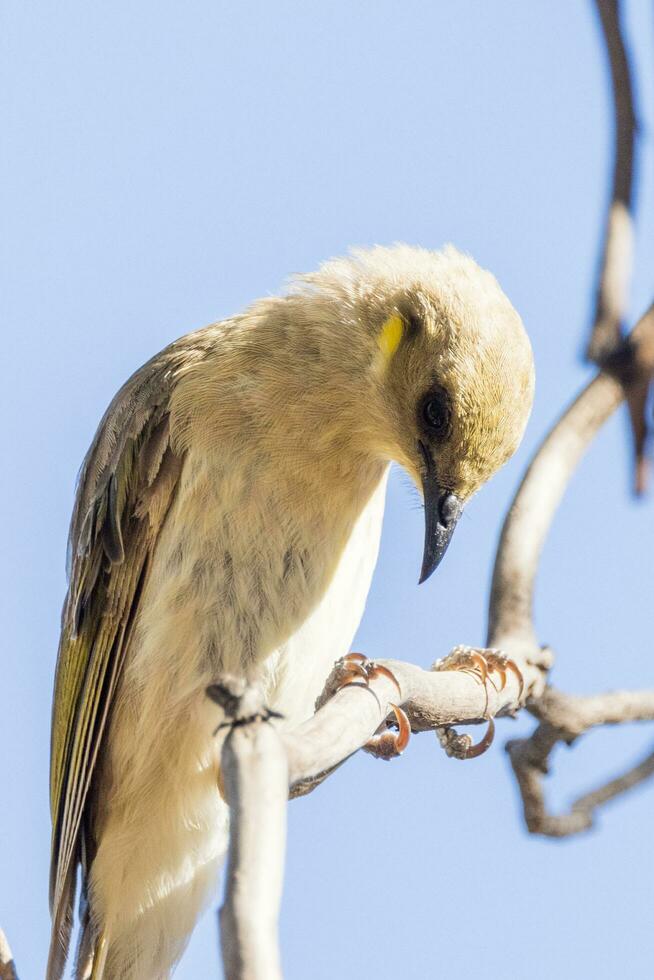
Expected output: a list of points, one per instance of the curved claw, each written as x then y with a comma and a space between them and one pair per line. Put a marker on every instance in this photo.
403, 728
481, 665
358, 664
354, 675
377, 669
358, 669
498, 669
471, 672
476, 750
513, 667
388, 745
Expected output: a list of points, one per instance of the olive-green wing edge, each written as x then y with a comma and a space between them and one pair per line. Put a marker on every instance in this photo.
127, 485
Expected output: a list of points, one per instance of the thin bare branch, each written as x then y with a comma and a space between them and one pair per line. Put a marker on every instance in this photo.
564, 718
510, 617
511, 626
616, 264
7, 965
255, 778
530, 515
590, 802
572, 715
635, 366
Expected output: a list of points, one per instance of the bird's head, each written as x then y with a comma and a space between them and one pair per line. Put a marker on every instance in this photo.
449, 368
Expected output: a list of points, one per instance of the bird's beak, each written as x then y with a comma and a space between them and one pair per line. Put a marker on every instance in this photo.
442, 512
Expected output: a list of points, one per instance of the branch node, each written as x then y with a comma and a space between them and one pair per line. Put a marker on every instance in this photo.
241, 702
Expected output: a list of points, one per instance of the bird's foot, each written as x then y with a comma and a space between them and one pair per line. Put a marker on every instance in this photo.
459, 746
355, 668
358, 670
483, 665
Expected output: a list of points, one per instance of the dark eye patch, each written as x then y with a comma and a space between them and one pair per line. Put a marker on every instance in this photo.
435, 413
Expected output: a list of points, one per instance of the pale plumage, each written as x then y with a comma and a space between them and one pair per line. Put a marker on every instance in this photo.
228, 519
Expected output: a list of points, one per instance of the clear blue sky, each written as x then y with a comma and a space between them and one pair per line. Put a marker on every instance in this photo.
162, 164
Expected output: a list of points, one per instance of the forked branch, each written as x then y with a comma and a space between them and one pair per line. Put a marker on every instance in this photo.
263, 763
562, 717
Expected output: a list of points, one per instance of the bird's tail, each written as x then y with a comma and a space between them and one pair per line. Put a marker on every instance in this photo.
62, 924
91, 953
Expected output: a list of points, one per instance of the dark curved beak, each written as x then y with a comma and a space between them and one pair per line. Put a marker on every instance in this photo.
442, 512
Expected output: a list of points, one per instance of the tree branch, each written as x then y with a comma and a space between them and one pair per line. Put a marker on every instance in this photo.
562, 717
616, 263
263, 763
530, 515
255, 780
7, 965
510, 614
433, 699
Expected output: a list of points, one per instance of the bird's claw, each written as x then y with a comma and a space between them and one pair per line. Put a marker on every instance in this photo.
497, 662
389, 744
459, 746
357, 669
482, 665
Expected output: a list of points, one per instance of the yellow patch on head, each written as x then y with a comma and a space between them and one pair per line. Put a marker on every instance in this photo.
390, 337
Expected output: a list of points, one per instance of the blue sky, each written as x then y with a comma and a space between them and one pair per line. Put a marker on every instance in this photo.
163, 164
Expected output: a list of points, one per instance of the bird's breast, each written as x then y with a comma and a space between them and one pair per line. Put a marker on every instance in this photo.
298, 668
255, 571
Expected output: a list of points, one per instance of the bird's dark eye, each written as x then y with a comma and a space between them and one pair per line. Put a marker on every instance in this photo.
436, 413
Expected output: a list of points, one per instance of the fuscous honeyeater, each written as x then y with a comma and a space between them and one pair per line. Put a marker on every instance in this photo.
227, 519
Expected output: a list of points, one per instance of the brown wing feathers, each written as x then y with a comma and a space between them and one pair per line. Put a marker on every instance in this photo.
127, 485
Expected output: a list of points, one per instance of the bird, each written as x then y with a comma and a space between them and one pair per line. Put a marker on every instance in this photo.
227, 520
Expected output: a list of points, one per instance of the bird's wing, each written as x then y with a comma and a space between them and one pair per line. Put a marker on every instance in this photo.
126, 487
